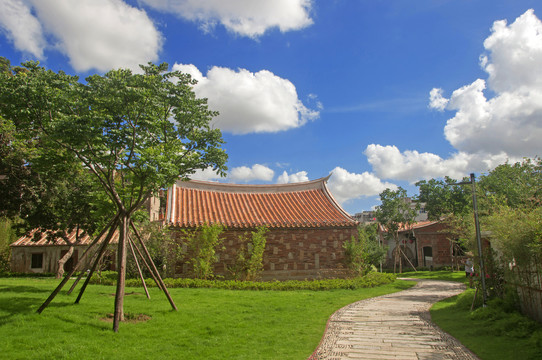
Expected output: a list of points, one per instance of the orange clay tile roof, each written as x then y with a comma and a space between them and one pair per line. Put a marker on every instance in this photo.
417, 225
299, 205
41, 239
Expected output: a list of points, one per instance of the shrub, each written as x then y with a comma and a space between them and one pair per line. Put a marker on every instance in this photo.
370, 280
249, 261
202, 246
364, 252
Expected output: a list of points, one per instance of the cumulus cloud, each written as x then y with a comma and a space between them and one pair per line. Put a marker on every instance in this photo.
436, 100
22, 28
300, 176
246, 18
100, 34
94, 34
208, 174
390, 163
348, 186
250, 102
508, 122
485, 131
246, 174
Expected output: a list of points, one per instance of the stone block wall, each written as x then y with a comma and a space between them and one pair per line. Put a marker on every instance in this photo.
304, 253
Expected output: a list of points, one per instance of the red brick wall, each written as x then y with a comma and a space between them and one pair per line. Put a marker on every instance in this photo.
435, 237
307, 253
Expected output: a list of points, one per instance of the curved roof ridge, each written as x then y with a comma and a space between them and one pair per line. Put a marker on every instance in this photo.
253, 188
306, 204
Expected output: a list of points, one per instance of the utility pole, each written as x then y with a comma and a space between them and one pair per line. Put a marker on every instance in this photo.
478, 235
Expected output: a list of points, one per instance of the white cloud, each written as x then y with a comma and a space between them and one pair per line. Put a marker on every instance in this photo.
21, 27
246, 174
208, 174
348, 186
390, 163
485, 131
300, 176
100, 34
436, 100
247, 18
508, 122
250, 102
93, 34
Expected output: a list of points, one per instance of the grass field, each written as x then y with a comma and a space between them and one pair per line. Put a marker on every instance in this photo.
210, 323
494, 332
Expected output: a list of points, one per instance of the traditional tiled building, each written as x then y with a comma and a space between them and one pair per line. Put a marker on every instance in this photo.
425, 243
307, 227
35, 253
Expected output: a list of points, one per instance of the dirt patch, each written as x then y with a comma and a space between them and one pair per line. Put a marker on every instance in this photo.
129, 318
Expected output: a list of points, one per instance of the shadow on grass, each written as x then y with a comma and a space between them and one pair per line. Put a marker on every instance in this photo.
22, 289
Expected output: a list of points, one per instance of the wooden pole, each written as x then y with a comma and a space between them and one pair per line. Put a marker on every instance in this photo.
402, 252
70, 273
97, 260
138, 268
146, 264
153, 266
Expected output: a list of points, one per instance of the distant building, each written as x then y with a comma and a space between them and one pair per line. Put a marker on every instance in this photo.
365, 217
421, 212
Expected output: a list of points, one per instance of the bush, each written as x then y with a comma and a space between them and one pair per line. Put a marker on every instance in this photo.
249, 261
370, 280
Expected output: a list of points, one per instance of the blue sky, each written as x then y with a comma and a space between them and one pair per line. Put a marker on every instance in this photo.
380, 92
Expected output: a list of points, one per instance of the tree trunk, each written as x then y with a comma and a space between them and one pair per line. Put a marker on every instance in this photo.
119, 296
62, 262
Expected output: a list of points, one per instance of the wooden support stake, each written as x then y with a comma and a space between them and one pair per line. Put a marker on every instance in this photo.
97, 260
138, 268
146, 265
153, 266
402, 252
75, 268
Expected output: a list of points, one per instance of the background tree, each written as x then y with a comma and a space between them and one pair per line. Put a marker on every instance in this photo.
365, 252
136, 133
442, 199
395, 213
45, 185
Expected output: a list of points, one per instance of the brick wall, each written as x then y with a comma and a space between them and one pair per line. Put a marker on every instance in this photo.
435, 237
306, 253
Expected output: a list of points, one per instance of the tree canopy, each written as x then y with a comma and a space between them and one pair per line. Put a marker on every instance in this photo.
134, 133
395, 213
442, 199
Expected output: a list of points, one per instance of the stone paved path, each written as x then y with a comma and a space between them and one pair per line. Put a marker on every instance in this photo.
394, 326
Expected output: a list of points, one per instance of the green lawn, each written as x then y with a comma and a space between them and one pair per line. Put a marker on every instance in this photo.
494, 332
458, 276
210, 323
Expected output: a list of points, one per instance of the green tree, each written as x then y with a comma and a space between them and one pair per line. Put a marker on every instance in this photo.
395, 213
517, 185
365, 252
442, 199
135, 133
46, 185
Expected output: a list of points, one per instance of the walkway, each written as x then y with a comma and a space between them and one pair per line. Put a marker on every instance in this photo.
394, 326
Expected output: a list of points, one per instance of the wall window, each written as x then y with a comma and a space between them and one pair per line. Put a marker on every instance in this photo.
37, 261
